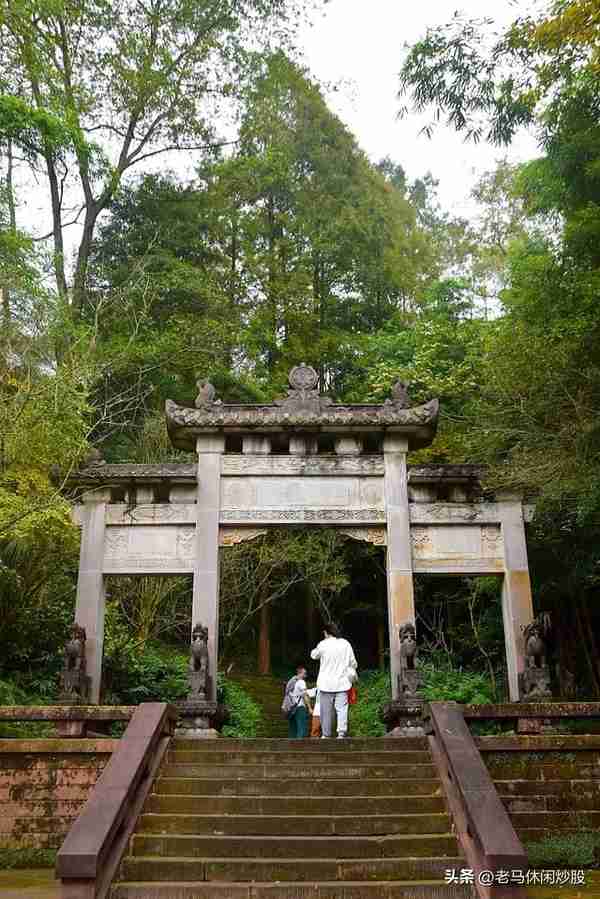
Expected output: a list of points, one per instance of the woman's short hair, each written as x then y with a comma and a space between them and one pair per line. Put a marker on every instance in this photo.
332, 629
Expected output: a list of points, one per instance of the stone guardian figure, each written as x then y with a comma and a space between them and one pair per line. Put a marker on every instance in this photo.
409, 680
535, 679
73, 680
199, 670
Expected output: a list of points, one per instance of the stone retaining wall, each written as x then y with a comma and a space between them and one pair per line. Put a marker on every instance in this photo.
43, 785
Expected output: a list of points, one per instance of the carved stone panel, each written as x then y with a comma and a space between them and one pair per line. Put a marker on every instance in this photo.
376, 536
457, 549
143, 549
302, 516
433, 513
314, 466
151, 513
233, 536
255, 493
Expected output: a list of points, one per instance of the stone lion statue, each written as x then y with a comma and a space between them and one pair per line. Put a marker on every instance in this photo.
408, 645
199, 672
75, 650
535, 645
73, 679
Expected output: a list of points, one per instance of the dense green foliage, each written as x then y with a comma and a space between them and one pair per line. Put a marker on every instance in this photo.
286, 243
441, 681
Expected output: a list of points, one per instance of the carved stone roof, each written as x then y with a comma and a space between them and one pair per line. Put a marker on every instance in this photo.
304, 409
185, 472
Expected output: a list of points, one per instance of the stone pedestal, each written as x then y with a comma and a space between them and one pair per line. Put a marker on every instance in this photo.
534, 684
200, 719
404, 718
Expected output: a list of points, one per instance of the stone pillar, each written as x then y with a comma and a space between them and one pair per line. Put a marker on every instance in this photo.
205, 599
400, 589
256, 445
517, 605
89, 605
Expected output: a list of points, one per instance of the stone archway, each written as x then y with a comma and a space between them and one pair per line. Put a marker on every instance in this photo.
174, 518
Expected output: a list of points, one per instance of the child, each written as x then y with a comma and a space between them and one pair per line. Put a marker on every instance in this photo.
315, 724
298, 720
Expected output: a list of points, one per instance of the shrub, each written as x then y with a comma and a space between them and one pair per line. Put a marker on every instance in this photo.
244, 713
447, 683
374, 690
571, 850
439, 683
11, 859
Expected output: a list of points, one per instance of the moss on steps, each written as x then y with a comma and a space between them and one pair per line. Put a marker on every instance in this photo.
267, 691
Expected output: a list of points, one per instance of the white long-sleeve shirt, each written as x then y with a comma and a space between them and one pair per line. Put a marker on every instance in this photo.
337, 664
298, 692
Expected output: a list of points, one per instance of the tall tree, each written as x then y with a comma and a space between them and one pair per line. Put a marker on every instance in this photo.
129, 81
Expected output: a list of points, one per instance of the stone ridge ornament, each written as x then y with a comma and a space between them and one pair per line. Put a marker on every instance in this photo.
207, 395
303, 377
399, 395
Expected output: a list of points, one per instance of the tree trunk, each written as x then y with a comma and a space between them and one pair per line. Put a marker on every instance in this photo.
264, 640
83, 258
311, 623
381, 643
10, 199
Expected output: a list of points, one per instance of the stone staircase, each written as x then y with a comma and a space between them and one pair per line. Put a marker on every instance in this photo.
252, 819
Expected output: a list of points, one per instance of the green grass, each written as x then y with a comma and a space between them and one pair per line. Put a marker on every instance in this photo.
572, 850
12, 859
245, 714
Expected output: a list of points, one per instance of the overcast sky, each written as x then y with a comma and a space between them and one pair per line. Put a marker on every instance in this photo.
360, 44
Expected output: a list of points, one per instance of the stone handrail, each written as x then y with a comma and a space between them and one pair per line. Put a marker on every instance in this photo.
66, 712
484, 829
513, 710
90, 855
70, 720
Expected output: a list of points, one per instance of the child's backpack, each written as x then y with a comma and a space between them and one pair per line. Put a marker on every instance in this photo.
288, 706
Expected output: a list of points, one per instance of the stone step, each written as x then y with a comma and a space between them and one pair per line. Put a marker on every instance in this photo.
563, 788
292, 825
186, 870
292, 759
212, 786
353, 744
538, 770
293, 805
284, 772
556, 821
315, 847
424, 889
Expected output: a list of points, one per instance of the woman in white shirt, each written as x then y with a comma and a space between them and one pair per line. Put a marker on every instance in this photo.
337, 673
